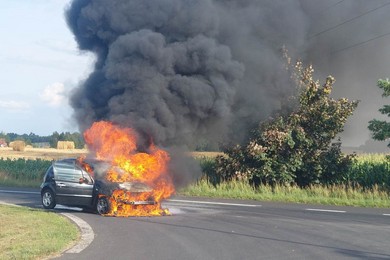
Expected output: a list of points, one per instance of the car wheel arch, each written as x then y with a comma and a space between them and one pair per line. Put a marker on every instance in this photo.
103, 205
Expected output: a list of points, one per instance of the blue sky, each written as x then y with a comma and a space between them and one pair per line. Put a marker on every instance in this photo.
39, 64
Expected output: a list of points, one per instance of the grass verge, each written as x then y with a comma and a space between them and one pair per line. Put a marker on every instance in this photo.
327, 195
9, 181
28, 233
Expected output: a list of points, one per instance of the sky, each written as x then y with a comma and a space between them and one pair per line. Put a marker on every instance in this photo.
39, 64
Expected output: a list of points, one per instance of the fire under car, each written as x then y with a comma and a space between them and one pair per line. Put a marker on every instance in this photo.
69, 182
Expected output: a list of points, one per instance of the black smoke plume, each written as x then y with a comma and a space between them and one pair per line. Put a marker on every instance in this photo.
183, 70
180, 70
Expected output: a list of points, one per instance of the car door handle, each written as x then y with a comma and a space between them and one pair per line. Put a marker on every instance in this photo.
61, 185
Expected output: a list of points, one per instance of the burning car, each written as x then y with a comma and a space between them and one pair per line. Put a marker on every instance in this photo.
122, 180
81, 183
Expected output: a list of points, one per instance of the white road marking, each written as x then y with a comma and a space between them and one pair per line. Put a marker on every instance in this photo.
69, 208
175, 211
87, 234
327, 210
386, 214
214, 203
20, 192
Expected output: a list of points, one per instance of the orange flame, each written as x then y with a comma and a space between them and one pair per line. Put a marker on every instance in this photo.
118, 146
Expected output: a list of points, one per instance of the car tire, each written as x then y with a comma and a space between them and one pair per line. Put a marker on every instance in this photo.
102, 206
48, 199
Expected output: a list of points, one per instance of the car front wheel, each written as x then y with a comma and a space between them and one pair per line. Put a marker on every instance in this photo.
48, 200
102, 206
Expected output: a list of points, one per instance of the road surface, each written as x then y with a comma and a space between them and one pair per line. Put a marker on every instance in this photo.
231, 229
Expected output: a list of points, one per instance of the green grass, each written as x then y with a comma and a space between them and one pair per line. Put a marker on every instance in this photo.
327, 195
27, 233
10, 181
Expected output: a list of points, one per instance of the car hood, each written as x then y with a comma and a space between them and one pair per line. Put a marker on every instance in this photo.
108, 187
135, 187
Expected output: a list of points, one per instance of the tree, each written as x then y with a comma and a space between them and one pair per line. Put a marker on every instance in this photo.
5, 137
54, 138
381, 129
75, 137
296, 147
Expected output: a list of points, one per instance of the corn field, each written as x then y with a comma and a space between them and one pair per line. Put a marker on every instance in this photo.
370, 170
367, 171
22, 169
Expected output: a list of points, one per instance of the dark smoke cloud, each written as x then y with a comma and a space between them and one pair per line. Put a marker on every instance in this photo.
180, 70
177, 70
344, 41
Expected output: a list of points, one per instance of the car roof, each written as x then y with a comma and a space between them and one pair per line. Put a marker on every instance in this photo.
65, 162
95, 164
73, 161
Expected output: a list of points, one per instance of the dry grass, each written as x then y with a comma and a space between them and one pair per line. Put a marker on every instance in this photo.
54, 154
41, 153
19, 146
65, 145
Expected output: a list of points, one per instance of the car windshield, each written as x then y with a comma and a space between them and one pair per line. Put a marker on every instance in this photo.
96, 168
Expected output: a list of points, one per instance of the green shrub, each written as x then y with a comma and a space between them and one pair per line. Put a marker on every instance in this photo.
295, 147
207, 165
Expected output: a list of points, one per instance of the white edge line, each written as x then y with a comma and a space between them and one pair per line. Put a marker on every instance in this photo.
87, 234
214, 203
327, 210
386, 214
20, 192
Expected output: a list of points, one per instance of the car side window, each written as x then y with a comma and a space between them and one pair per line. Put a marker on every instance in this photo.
67, 173
78, 174
49, 174
84, 174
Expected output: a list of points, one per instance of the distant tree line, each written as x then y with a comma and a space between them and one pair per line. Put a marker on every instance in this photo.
51, 140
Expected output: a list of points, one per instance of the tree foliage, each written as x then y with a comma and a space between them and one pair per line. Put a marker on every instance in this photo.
296, 147
381, 129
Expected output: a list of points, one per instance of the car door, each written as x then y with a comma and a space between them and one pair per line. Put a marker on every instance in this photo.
72, 187
84, 189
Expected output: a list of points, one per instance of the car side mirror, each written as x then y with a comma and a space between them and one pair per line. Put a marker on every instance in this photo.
83, 180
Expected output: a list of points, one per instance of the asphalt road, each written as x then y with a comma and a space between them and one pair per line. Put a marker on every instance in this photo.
231, 229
